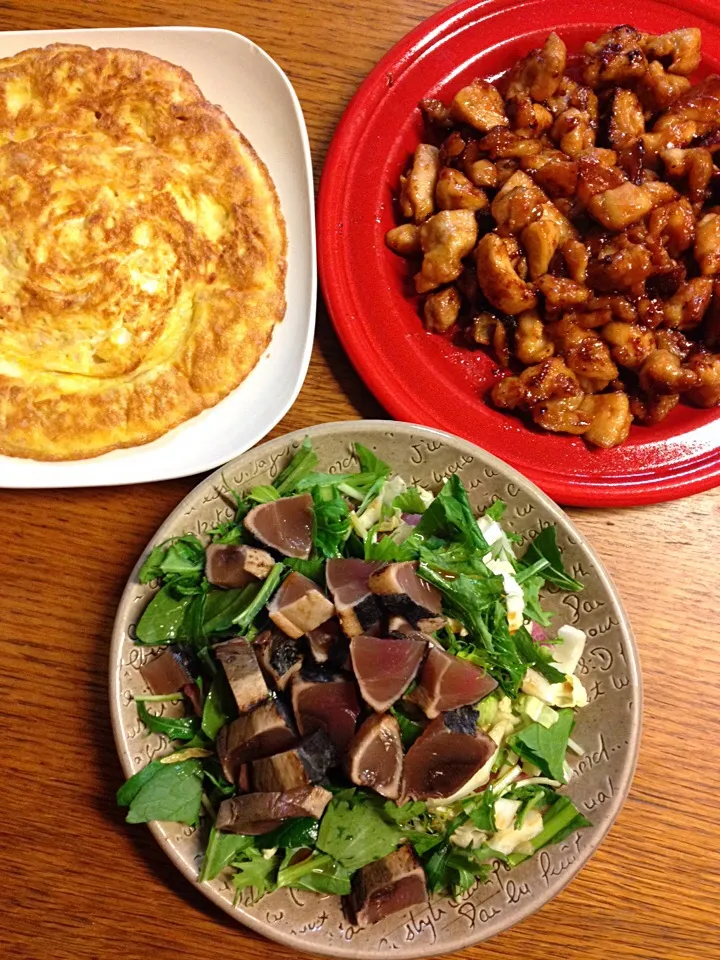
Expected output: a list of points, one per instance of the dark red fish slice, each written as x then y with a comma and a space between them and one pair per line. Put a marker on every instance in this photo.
384, 668
330, 705
284, 525
169, 672
447, 682
405, 593
387, 886
445, 756
230, 565
375, 755
356, 605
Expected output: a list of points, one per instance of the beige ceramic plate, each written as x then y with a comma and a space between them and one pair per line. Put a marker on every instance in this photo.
608, 729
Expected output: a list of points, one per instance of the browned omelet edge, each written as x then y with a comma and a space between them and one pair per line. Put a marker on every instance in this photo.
150, 396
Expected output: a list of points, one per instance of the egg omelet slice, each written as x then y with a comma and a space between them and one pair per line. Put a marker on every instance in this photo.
142, 252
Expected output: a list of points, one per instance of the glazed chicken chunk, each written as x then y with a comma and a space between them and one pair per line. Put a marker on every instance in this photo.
568, 221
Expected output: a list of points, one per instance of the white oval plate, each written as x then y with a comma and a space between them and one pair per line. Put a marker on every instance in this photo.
257, 96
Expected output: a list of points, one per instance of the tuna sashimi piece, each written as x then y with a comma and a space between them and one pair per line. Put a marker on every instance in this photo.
172, 672
280, 656
266, 730
445, 756
256, 813
447, 682
284, 525
302, 765
403, 593
385, 668
299, 606
387, 886
375, 755
169, 672
235, 565
356, 605
243, 672
325, 701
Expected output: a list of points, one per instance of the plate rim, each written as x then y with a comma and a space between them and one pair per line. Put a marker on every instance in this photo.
347, 427
695, 475
143, 474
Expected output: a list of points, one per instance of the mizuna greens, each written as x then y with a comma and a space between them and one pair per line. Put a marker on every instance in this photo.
493, 618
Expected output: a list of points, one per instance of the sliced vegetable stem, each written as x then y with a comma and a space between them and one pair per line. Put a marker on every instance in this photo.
158, 697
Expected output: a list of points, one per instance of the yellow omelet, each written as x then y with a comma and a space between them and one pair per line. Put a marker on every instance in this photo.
142, 252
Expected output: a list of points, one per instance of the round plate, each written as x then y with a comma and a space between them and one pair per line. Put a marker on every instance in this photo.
423, 377
608, 729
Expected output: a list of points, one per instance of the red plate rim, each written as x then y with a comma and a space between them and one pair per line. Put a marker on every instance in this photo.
632, 487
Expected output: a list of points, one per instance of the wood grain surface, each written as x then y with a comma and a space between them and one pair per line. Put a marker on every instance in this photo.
76, 883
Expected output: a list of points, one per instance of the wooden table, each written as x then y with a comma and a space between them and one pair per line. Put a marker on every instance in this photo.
77, 883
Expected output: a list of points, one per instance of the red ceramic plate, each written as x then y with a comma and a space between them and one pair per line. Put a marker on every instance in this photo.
423, 378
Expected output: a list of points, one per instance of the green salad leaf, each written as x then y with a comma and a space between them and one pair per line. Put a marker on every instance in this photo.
221, 850
537, 657
317, 872
254, 870
481, 811
219, 707
449, 868
470, 599
223, 607
227, 531
545, 746
192, 627
496, 510
162, 619
181, 557
404, 814
545, 547
355, 833
217, 786
133, 785
313, 569
151, 568
173, 792
387, 549
332, 521
303, 463
263, 494
451, 517
409, 502
176, 728
322, 480
531, 587
367, 484
370, 463
260, 597
293, 834
184, 557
